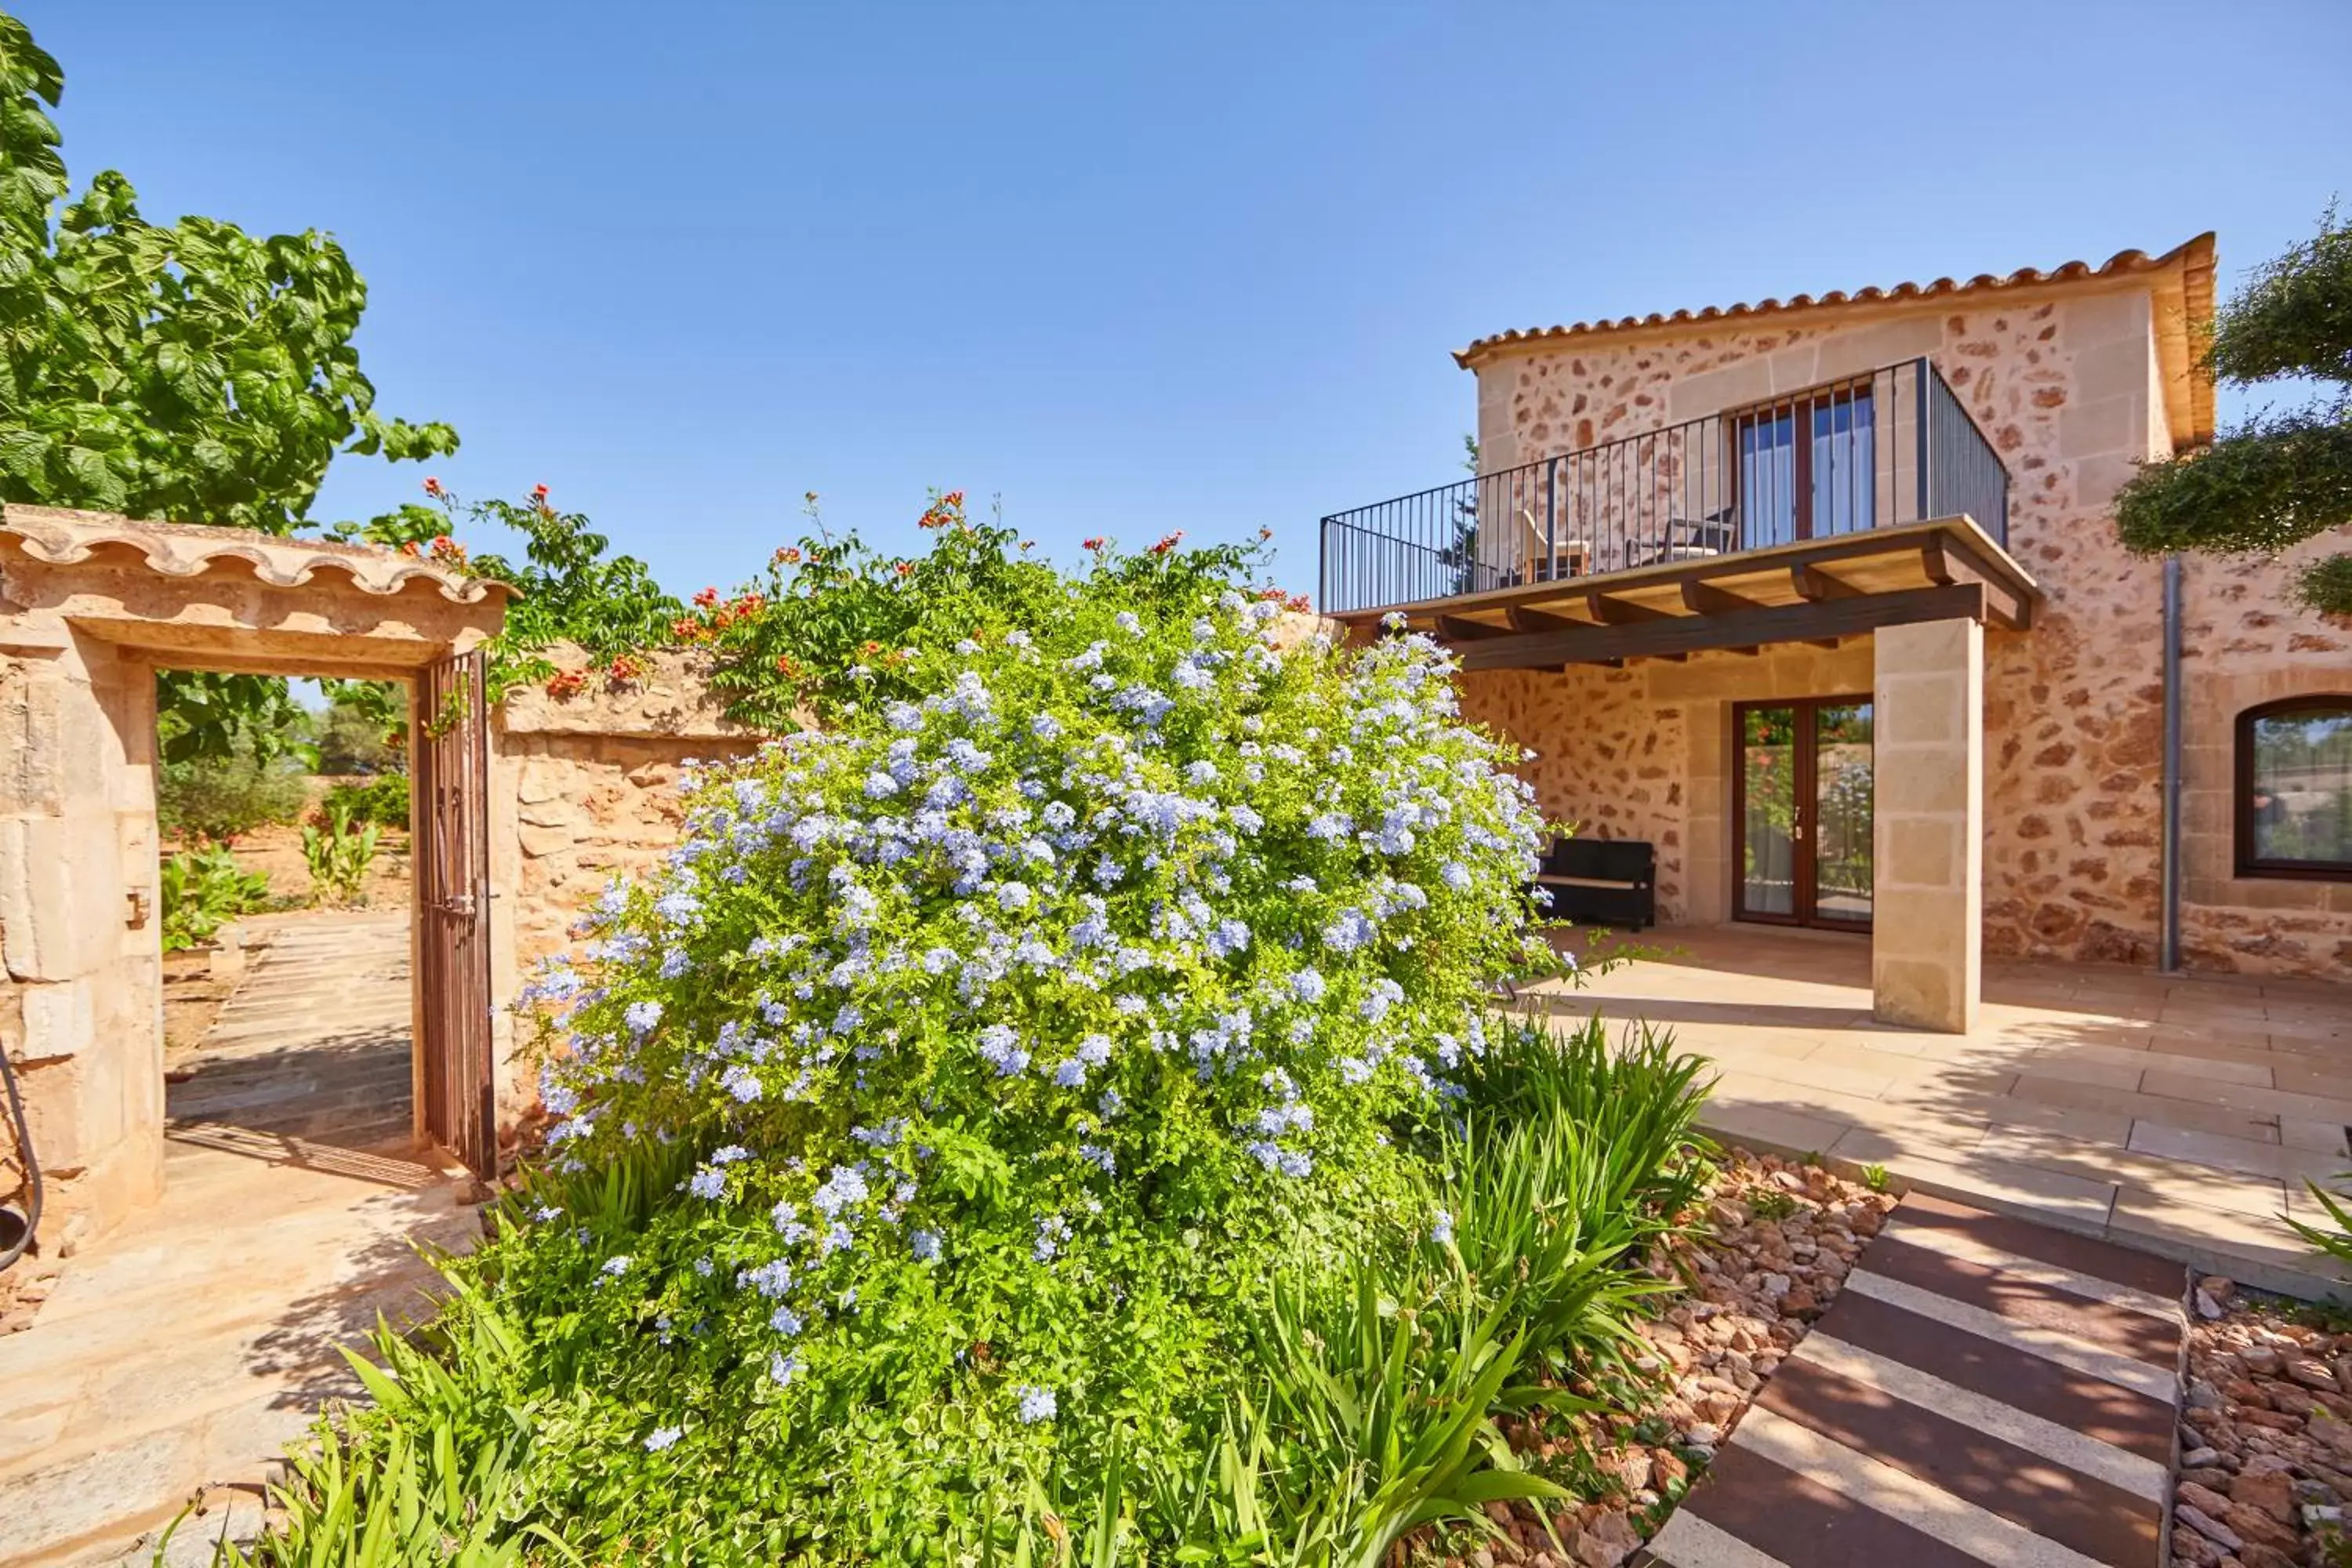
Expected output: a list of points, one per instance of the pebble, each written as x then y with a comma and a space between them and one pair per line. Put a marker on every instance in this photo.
2204, 1524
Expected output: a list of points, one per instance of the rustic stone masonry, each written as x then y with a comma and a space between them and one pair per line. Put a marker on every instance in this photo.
585, 790
2074, 380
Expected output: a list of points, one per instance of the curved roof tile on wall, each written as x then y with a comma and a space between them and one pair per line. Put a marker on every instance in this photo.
62, 537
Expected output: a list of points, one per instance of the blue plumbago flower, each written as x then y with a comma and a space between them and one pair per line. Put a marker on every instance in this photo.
1351, 929
1001, 1049
677, 906
1097, 1155
1441, 1228
1380, 996
785, 1322
1052, 1231
924, 1244
1308, 986
1331, 826
743, 1083
782, 1366
1037, 1404
844, 1185
709, 1183
662, 1438
772, 1278
641, 1017
618, 1266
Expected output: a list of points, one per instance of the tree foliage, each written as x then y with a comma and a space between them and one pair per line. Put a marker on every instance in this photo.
832, 622
2279, 478
186, 370
569, 587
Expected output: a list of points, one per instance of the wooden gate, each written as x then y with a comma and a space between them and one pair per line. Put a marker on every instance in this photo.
450, 776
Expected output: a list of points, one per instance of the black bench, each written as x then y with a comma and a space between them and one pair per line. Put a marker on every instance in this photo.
1601, 881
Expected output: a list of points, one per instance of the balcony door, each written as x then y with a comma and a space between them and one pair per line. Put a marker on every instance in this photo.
1802, 812
1807, 469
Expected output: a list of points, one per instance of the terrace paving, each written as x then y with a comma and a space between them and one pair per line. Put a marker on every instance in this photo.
181, 1353
2177, 1114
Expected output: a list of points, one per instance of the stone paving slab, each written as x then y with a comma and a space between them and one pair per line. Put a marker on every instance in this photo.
1984, 1390
183, 1352
2177, 1113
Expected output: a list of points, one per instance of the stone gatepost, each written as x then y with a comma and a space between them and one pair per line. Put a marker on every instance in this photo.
81, 1000
1927, 923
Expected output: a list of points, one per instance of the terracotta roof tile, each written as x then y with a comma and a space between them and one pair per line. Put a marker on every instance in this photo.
2192, 257
61, 536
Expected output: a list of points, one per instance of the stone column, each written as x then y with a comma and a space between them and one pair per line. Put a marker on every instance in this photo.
1707, 827
1927, 887
80, 995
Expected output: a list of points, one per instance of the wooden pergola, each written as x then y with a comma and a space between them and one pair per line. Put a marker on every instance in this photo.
1815, 590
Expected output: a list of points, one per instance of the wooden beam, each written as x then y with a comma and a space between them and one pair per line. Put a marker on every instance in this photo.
1743, 628
1525, 620
1949, 568
1453, 628
1612, 610
1706, 599
1815, 586
1833, 643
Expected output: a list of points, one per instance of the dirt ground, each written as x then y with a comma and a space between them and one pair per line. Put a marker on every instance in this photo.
277, 850
192, 999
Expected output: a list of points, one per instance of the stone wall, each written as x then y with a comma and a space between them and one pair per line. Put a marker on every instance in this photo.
586, 790
2244, 643
2066, 382
81, 991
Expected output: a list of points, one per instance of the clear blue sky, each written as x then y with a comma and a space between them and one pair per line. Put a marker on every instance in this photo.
1134, 267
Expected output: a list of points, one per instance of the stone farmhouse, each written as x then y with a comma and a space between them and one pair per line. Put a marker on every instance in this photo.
1822, 599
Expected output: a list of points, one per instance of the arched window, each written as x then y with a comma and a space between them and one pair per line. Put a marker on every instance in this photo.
2295, 788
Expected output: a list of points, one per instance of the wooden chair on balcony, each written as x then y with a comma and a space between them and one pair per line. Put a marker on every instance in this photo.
1536, 557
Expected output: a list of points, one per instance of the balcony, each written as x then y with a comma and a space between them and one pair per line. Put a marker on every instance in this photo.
1885, 462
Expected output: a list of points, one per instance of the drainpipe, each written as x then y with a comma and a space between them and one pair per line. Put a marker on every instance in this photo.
2168, 942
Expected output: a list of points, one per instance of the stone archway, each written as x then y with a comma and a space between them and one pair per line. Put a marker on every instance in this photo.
91, 605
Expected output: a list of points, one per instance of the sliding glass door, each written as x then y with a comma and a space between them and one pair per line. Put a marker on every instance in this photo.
1802, 812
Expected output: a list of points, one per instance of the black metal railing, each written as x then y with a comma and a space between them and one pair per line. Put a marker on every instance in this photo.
1891, 446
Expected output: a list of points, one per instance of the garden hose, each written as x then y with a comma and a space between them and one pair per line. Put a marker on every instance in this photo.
17, 1225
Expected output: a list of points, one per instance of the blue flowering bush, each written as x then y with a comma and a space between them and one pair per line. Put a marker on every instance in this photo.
1058, 1107
1001, 1037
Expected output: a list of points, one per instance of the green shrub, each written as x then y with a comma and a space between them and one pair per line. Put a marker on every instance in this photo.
222, 798
202, 891
382, 800
339, 851
1058, 1108
354, 729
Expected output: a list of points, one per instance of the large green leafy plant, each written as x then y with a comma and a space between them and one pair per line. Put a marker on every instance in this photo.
188, 371
1004, 1035
2280, 476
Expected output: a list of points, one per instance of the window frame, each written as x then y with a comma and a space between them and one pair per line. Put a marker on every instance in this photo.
1801, 408
2245, 862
